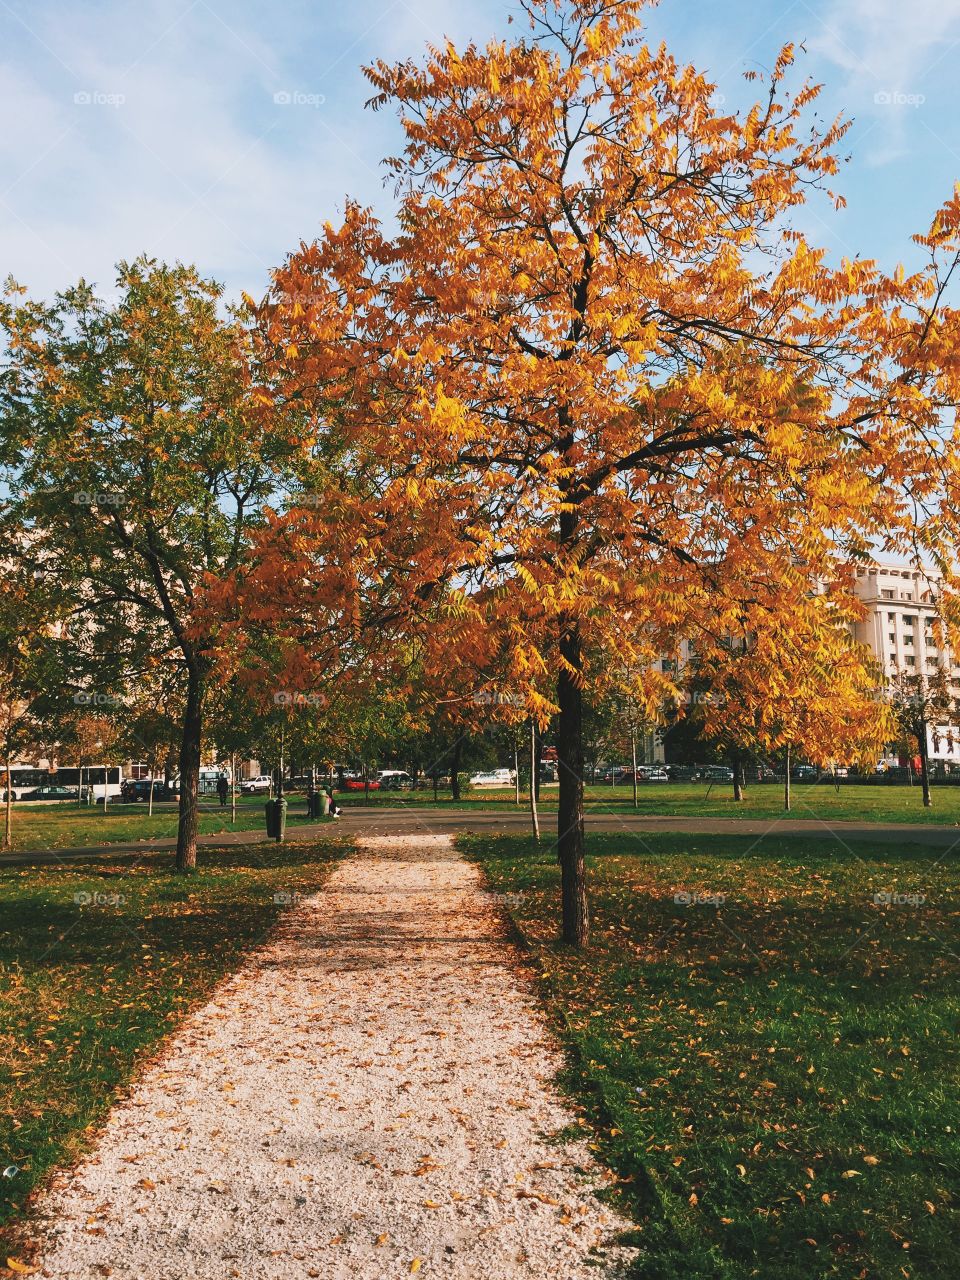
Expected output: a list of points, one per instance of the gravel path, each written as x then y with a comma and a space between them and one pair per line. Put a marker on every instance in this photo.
369, 1098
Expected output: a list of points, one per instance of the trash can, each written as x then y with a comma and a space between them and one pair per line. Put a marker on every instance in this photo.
276, 815
324, 805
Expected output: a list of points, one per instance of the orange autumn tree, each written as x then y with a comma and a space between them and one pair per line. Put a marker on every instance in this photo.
599, 391
796, 681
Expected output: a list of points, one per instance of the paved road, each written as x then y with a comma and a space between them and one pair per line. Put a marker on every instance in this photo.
401, 820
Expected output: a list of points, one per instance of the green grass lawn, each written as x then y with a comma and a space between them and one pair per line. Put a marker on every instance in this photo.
775, 1075
97, 963
62, 825
824, 801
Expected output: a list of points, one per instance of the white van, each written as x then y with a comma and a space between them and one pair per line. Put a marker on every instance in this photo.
493, 778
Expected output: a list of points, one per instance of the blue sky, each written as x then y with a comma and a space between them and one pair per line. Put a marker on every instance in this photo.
154, 125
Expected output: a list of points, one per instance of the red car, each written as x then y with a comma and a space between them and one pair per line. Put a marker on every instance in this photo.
358, 784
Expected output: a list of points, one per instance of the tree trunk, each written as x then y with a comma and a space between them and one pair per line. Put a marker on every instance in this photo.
516, 770
233, 787
150, 795
633, 752
924, 767
8, 808
534, 815
455, 768
786, 781
190, 771
570, 835
737, 777
538, 756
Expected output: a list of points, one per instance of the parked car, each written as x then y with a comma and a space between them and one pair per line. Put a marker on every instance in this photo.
613, 773
50, 793
261, 785
682, 772
492, 778
652, 773
138, 789
352, 783
395, 780
718, 773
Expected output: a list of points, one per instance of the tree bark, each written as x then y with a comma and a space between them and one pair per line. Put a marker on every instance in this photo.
455, 768
737, 777
516, 770
8, 808
786, 781
534, 815
633, 753
190, 770
570, 835
924, 766
233, 787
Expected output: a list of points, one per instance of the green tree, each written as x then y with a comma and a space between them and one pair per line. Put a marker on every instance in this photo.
921, 702
144, 454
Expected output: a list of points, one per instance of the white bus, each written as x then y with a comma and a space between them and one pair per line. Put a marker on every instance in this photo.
97, 781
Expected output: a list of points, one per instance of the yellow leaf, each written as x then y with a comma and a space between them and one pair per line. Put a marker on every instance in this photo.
415, 1265
22, 1268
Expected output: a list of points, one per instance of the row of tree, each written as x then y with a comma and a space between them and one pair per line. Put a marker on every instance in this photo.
597, 399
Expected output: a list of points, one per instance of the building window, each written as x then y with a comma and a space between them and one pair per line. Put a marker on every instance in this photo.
910, 660
888, 595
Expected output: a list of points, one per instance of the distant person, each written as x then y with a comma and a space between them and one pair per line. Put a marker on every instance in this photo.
222, 790
335, 809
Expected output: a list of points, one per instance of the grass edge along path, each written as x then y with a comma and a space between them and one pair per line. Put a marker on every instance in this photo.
99, 965
776, 1093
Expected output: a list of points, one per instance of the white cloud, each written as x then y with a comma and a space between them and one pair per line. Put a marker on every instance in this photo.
895, 53
176, 145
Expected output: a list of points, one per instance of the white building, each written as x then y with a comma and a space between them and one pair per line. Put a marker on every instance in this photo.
902, 629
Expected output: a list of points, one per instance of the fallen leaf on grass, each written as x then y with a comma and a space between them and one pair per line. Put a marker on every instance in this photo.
21, 1268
